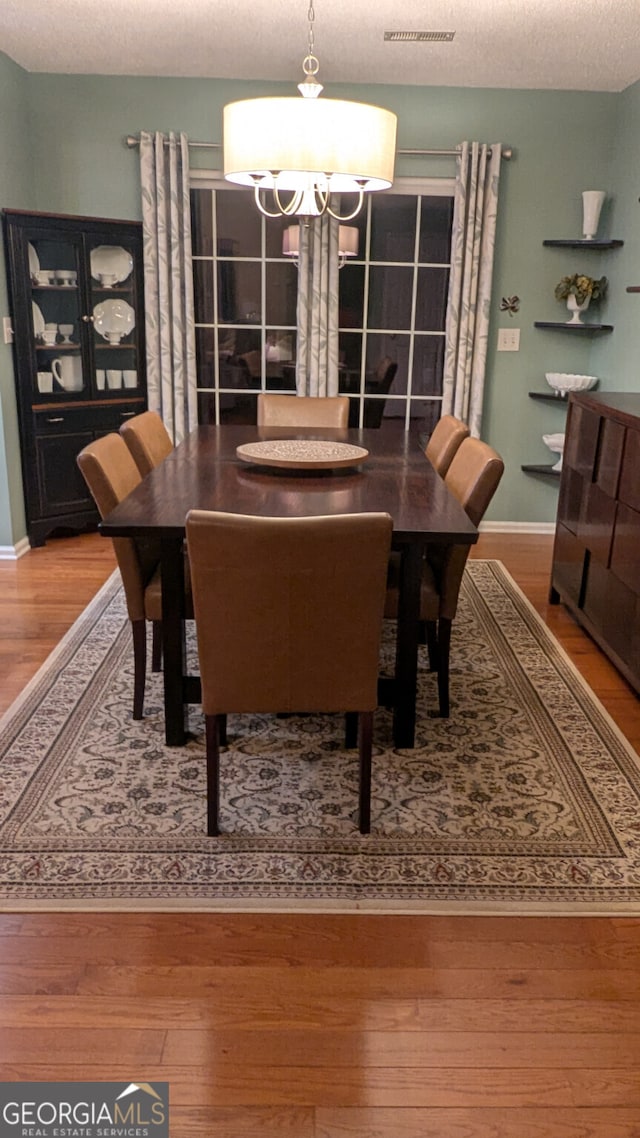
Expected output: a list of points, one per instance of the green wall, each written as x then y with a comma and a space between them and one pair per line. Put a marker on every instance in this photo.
616, 357
564, 142
16, 185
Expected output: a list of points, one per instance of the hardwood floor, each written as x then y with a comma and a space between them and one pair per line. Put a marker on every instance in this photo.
325, 1026
40, 597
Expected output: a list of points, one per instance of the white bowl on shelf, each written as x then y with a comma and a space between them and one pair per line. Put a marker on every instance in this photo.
556, 445
562, 381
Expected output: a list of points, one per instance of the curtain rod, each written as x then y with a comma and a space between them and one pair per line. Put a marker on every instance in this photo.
133, 140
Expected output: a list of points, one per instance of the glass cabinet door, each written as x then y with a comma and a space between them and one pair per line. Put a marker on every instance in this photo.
112, 314
56, 314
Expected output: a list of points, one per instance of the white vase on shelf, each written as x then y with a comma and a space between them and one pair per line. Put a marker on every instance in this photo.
592, 201
576, 309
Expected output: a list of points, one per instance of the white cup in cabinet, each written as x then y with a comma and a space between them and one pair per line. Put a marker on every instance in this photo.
45, 381
130, 377
68, 372
101, 376
114, 378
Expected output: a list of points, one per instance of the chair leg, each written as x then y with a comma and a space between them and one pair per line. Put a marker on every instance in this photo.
365, 743
351, 729
139, 631
213, 773
431, 637
444, 648
156, 646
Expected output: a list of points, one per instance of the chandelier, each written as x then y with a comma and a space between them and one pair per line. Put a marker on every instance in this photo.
308, 151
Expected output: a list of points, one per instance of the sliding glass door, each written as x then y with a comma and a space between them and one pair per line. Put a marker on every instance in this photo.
393, 298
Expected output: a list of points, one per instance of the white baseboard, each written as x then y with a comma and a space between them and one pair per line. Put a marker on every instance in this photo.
517, 527
13, 552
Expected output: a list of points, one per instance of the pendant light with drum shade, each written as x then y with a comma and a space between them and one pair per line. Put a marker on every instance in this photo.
307, 152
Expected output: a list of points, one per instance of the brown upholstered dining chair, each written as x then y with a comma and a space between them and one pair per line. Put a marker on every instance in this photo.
473, 478
148, 440
302, 410
253, 362
379, 384
444, 441
293, 606
111, 474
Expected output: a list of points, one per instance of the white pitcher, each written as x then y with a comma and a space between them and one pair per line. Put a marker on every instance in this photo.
68, 372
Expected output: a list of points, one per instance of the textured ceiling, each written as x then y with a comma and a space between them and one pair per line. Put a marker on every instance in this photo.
565, 44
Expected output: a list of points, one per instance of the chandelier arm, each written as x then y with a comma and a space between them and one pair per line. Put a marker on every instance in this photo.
346, 216
267, 213
291, 207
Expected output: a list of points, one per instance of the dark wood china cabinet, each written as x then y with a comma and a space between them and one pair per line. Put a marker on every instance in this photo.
76, 293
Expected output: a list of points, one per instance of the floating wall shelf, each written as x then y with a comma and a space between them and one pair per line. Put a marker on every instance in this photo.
580, 329
544, 469
571, 243
549, 397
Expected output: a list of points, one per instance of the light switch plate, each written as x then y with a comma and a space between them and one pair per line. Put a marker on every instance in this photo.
508, 339
7, 330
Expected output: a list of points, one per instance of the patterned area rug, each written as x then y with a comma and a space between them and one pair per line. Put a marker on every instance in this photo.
525, 800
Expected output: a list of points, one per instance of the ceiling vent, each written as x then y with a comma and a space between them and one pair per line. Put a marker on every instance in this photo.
419, 37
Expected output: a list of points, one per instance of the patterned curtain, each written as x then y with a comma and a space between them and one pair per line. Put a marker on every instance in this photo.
473, 243
317, 345
168, 281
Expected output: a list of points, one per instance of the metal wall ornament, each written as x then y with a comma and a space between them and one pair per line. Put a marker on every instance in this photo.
510, 304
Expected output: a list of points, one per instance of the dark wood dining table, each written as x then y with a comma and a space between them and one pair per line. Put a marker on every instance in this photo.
204, 472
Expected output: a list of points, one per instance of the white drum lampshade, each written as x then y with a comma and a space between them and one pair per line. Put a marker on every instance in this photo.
300, 146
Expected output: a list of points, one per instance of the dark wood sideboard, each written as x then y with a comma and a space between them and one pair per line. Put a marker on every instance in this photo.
596, 557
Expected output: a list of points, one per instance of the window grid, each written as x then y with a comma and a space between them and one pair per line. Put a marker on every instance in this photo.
368, 334
409, 398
